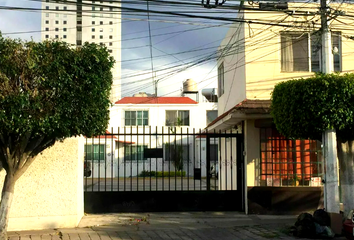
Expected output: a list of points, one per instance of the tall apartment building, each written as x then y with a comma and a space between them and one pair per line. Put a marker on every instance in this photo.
80, 21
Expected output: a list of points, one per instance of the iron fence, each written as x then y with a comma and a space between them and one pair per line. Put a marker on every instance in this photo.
162, 159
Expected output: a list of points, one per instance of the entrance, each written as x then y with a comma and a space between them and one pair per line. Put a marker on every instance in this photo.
168, 169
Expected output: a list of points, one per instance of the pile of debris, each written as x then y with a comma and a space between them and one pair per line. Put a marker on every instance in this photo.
313, 226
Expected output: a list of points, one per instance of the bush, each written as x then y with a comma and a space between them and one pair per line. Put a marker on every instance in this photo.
162, 174
304, 108
147, 174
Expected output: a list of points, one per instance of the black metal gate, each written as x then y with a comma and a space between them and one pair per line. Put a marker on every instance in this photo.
140, 169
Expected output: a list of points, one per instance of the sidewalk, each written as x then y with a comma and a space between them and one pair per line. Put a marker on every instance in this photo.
169, 226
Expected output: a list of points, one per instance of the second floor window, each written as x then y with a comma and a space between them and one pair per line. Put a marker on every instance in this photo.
136, 118
177, 118
301, 52
211, 116
221, 80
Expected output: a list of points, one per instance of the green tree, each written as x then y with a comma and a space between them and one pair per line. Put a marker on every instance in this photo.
304, 108
49, 91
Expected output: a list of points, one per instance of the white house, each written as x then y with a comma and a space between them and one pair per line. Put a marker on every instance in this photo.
140, 123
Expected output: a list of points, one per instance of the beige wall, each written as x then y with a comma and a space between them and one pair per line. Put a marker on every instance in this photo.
263, 49
252, 158
50, 193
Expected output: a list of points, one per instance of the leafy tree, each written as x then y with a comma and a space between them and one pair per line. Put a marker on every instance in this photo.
304, 108
49, 91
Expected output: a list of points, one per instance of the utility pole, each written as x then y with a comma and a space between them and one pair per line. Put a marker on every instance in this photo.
329, 140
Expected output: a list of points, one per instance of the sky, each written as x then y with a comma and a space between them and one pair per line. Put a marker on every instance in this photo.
176, 43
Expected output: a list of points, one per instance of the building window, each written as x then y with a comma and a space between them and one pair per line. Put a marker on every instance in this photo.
46, 36
47, 29
110, 23
47, 14
93, 36
110, 37
101, 29
110, 44
78, 42
221, 83
56, 29
93, 8
93, 22
93, 15
57, 8
56, 22
110, 9
132, 153
289, 162
56, 36
136, 118
79, 22
211, 116
79, 28
64, 22
65, 8
95, 152
110, 50
64, 29
64, 36
93, 29
101, 37
46, 22
177, 117
301, 52
47, 7
101, 22
101, 9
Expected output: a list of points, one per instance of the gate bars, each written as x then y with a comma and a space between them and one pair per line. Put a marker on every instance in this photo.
171, 159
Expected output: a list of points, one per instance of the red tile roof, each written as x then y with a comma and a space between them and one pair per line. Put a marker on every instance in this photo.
108, 136
248, 107
156, 100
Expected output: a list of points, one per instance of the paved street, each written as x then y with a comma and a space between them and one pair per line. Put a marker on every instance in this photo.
170, 226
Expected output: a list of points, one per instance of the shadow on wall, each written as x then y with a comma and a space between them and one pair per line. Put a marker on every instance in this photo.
284, 200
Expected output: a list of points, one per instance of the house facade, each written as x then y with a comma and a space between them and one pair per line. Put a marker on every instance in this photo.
280, 174
139, 123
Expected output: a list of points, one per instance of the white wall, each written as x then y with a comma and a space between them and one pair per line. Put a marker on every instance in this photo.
234, 68
157, 114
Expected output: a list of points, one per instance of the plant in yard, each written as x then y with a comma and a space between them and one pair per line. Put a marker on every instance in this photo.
49, 91
176, 150
304, 108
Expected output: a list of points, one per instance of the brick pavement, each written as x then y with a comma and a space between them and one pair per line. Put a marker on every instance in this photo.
169, 226
175, 233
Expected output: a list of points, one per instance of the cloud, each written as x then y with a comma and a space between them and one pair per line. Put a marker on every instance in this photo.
20, 21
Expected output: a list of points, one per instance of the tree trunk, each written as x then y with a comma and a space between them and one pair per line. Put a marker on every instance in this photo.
6, 200
345, 151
